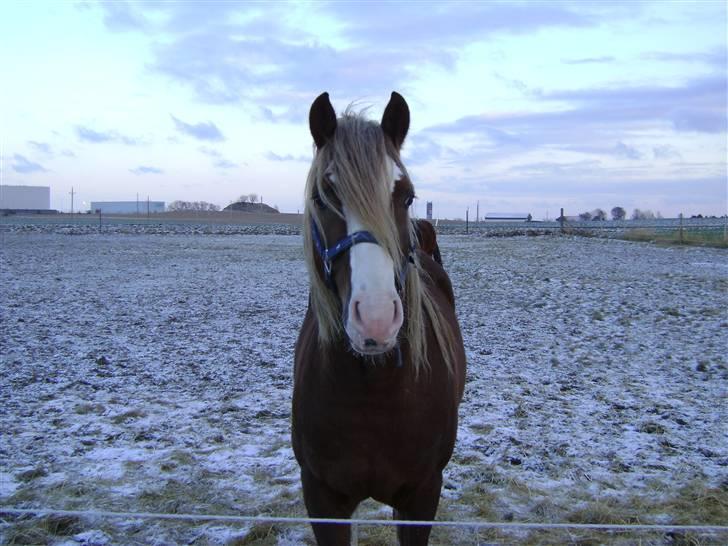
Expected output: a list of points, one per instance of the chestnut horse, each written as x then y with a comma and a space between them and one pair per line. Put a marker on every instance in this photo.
379, 361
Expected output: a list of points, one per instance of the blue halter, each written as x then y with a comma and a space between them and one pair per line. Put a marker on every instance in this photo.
329, 254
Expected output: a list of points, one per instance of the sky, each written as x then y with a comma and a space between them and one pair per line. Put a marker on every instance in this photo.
515, 106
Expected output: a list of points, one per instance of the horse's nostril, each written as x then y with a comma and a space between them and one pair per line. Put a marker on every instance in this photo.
396, 311
369, 342
357, 315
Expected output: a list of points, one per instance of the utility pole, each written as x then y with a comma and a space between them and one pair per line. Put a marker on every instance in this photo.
477, 213
72, 193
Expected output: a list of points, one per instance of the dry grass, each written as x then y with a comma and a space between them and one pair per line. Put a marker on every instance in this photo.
712, 238
694, 504
42, 530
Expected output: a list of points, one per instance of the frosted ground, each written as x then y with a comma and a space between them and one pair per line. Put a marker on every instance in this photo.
152, 372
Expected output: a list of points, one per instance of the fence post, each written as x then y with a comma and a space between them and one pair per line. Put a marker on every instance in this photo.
561, 220
681, 228
466, 220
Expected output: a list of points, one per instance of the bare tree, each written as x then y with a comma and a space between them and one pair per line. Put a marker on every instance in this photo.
618, 213
185, 206
642, 215
585, 216
599, 215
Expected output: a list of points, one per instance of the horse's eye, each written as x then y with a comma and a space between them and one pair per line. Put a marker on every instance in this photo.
408, 201
318, 202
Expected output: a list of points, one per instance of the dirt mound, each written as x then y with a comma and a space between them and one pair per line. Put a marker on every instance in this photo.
251, 207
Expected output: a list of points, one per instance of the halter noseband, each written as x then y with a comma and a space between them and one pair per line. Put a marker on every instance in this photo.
329, 254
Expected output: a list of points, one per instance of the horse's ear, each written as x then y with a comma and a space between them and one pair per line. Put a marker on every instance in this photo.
322, 120
396, 119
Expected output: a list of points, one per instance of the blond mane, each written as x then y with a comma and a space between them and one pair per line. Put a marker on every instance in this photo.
356, 158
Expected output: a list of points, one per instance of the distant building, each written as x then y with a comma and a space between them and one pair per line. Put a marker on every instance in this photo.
127, 207
429, 210
507, 217
28, 198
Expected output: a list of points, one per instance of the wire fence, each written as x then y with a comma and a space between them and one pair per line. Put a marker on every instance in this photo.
356, 523
576, 226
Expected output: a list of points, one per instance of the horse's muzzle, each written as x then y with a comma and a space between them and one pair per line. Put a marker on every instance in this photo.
373, 323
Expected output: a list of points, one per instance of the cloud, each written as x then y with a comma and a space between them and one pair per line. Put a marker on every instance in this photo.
594, 118
456, 22
272, 156
22, 165
666, 152
220, 162
209, 151
590, 60
43, 147
552, 168
121, 16
224, 164
420, 149
562, 183
624, 151
697, 105
223, 68
143, 169
167, 16
238, 53
716, 58
201, 131
518, 85
90, 135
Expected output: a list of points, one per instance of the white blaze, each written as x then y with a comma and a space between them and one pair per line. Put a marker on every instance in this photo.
371, 267
374, 316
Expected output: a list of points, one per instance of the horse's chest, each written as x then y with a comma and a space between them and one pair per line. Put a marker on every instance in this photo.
372, 436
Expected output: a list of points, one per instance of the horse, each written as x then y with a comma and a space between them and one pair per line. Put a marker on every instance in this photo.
379, 365
427, 239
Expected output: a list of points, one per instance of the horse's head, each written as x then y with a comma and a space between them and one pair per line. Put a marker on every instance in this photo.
358, 235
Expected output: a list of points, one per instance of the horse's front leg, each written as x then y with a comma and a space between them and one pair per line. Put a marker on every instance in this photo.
323, 502
419, 504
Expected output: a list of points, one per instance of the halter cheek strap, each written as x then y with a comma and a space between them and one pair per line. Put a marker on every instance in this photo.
328, 255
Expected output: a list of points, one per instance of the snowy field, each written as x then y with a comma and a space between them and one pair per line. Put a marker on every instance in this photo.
152, 373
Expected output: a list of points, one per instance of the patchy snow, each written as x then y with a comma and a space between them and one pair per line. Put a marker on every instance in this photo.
149, 372
8, 485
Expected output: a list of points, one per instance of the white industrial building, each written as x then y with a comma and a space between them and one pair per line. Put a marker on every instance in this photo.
127, 207
25, 197
508, 217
